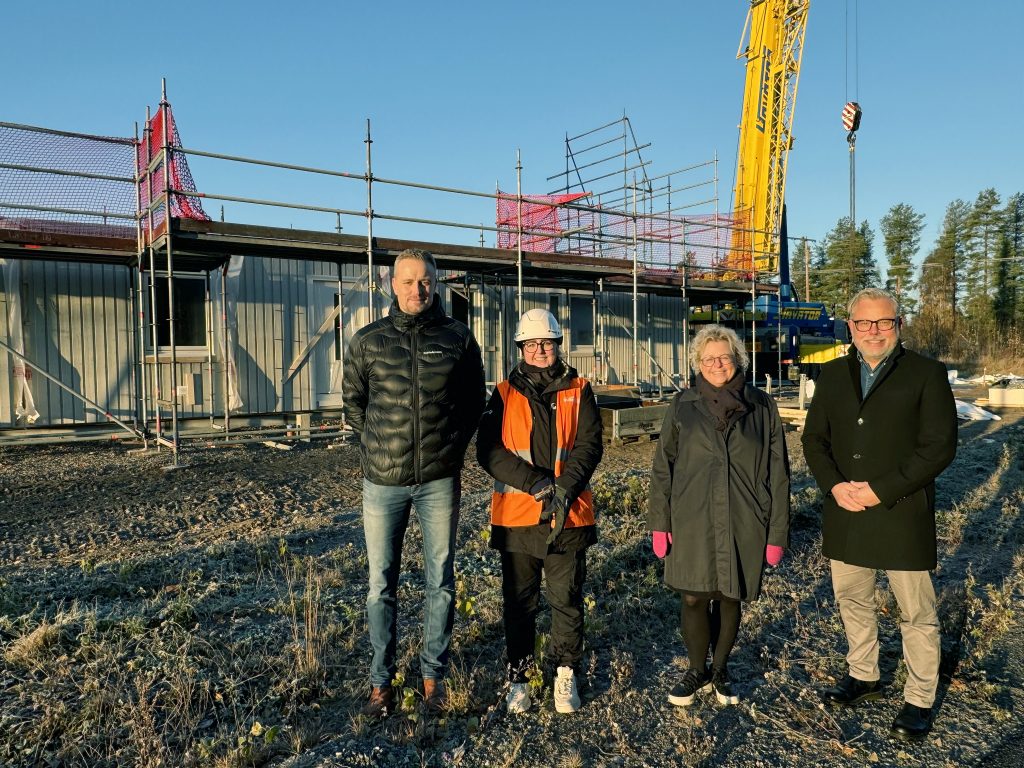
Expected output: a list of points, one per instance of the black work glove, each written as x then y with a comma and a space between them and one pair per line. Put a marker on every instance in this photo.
543, 491
558, 508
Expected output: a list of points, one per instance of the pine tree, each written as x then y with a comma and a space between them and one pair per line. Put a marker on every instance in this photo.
868, 264
799, 274
1013, 218
934, 329
846, 263
982, 237
1005, 296
901, 230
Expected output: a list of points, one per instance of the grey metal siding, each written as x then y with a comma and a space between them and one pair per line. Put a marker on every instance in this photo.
6, 362
79, 327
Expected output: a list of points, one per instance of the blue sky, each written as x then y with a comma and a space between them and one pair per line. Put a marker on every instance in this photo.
454, 89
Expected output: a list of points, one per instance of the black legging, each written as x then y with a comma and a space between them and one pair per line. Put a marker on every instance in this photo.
708, 623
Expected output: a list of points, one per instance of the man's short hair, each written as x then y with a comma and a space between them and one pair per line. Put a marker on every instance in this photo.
415, 253
872, 294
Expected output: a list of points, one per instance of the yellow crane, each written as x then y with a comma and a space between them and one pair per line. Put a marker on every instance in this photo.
772, 44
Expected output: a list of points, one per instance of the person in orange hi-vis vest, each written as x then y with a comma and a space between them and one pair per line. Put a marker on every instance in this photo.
540, 438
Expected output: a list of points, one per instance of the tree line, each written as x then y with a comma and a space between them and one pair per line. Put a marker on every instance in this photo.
966, 299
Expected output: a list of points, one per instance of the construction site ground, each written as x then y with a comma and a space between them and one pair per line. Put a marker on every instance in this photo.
213, 615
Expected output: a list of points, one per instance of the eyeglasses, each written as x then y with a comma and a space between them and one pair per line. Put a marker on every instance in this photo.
885, 324
532, 346
709, 362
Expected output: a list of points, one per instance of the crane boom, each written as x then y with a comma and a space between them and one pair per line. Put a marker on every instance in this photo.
774, 35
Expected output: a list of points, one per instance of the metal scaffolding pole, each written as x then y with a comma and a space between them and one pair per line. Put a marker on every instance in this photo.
778, 324
753, 327
154, 337
209, 348
371, 282
595, 310
519, 233
636, 352
341, 350
225, 353
603, 379
168, 213
138, 296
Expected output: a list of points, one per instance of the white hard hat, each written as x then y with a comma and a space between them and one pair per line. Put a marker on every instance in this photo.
537, 324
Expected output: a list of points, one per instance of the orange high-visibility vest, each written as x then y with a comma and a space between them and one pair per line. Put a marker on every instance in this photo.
512, 507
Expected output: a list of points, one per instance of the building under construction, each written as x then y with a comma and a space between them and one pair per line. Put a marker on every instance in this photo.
125, 304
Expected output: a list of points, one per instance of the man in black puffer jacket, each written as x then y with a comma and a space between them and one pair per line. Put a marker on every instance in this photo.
414, 391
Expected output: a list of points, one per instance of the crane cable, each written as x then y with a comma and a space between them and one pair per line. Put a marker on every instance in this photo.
856, 52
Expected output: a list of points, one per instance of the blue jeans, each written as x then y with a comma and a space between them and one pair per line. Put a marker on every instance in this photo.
385, 517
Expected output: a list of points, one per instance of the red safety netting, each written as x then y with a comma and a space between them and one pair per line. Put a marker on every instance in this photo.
179, 178
545, 220
663, 243
80, 184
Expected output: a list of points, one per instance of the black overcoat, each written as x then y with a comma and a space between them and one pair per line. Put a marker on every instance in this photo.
899, 439
723, 496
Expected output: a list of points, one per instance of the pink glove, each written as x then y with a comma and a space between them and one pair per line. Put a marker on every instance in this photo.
773, 554
661, 541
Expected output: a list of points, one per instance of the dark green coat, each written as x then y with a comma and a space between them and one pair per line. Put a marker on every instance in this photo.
723, 496
898, 440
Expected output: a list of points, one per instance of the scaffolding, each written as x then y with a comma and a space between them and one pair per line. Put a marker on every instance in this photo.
639, 237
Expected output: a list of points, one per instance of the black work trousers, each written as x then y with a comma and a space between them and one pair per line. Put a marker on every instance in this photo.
520, 586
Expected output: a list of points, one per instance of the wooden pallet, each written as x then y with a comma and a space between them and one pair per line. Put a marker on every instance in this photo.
793, 415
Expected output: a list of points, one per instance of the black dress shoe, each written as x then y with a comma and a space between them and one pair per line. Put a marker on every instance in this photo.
913, 722
852, 691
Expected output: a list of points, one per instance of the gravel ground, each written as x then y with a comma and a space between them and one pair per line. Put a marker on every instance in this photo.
108, 537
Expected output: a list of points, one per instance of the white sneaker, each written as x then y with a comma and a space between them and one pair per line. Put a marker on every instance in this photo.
518, 699
566, 697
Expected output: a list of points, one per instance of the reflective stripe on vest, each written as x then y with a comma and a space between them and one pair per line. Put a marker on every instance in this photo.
512, 507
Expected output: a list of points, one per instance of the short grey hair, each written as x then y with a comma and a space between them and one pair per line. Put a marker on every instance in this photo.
415, 253
711, 333
872, 294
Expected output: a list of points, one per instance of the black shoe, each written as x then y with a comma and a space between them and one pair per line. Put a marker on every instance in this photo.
913, 722
694, 680
852, 691
723, 688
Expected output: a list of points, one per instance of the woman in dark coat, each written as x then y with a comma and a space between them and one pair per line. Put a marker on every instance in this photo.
719, 504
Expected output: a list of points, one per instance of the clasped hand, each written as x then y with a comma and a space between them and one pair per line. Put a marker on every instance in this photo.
855, 496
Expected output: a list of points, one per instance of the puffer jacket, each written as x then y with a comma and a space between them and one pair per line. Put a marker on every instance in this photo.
414, 390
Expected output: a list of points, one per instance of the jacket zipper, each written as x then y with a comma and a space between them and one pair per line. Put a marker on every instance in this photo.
415, 406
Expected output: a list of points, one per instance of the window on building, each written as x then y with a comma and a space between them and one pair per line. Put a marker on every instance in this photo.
581, 319
460, 307
554, 307
189, 311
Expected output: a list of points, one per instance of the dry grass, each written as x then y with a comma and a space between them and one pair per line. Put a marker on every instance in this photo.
30, 649
248, 651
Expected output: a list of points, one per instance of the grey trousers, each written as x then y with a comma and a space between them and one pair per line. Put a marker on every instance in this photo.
854, 588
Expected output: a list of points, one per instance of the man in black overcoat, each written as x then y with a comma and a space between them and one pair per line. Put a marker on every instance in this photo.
881, 427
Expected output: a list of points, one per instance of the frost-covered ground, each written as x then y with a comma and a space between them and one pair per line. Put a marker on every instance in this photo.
214, 616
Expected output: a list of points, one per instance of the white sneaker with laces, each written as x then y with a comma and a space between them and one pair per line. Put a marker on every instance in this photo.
566, 698
518, 699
